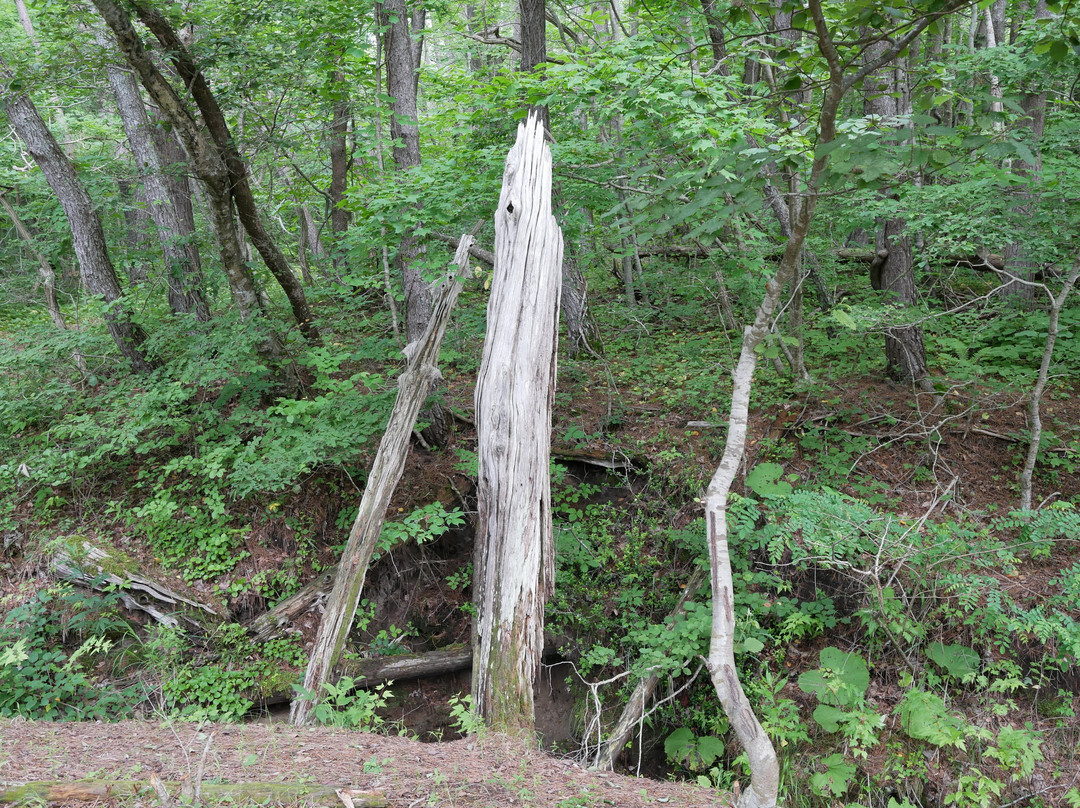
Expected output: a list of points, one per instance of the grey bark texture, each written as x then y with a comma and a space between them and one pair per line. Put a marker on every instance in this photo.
414, 384
88, 238
905, 356
206, 161
239, 180
181, 264
403, 48
514, 563
534, 46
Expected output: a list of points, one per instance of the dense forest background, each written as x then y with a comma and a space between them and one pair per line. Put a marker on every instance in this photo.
222, 222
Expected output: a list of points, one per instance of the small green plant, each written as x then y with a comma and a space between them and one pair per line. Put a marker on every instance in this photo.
46, 647
464, 717
700, 755
344, 705
834, 781
462, 579
1017, 750
976, 790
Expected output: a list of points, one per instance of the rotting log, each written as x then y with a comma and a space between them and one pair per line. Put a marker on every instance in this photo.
600, 458
514, 562
370, 672
272, 623
421, 372
100, 569
367, 673
231, 793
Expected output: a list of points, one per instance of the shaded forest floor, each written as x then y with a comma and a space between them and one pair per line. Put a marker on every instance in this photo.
489, 771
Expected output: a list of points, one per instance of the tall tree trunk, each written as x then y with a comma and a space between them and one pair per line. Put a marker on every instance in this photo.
238, 181
514, 563
206, 160
182, 276
175, 175
534, 46
240, 185
403, 48
1020, 262
88, 238
580, 329
339, 161
905, 356
715, 29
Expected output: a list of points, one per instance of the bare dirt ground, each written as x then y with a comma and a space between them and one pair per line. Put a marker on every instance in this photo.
490, 771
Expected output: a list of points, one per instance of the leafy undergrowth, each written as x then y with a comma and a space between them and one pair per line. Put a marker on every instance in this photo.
907, 636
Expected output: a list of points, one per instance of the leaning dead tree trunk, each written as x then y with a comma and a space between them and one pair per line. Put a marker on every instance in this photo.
1057, 303
514, 563
413, 386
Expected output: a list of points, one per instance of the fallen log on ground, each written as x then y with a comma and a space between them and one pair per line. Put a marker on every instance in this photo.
367, 673
231, 793
273, 623
100, 569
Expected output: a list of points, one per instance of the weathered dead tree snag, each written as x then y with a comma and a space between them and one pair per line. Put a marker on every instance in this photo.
514, 555
421, 372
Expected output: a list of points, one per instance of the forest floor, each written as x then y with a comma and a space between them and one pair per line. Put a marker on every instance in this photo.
492, 770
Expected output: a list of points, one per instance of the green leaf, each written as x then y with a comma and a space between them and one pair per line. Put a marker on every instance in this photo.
835, 780
843, 318
959, 660
679, 743
828, 717
841, 681
765, 481
709, 749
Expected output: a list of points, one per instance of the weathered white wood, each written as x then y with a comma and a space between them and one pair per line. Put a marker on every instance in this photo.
514, 554
101, 570
413, 387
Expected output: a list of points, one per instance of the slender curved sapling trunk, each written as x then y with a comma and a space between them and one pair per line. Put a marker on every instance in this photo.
764, 766
1057, 303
